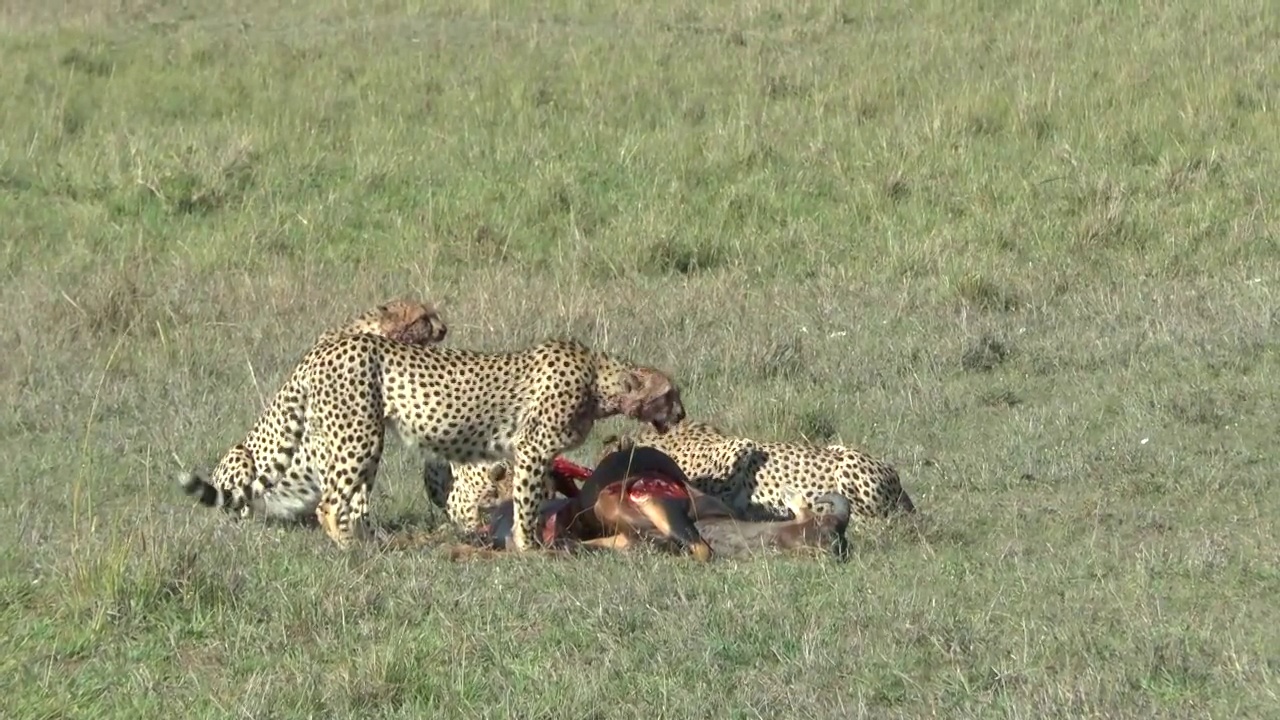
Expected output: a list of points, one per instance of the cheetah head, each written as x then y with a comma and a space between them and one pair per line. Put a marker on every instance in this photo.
649, 396
412, 322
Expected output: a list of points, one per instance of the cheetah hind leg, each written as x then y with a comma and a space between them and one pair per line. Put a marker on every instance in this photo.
345, 503
337, 511
344, 506
326, 509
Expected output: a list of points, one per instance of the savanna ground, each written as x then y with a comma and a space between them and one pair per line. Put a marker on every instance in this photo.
1025, 252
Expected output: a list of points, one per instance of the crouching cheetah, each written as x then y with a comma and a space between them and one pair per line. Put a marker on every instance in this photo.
464, 490
469, 492
759, 479
523, 406
279, 487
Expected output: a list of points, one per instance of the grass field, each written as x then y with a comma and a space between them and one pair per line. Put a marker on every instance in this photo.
1026, 254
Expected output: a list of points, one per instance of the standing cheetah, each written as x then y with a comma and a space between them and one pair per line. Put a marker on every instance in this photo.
524, 406
279, 488
758, 479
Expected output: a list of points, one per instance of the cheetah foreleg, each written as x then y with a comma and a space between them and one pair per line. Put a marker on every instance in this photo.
530, 475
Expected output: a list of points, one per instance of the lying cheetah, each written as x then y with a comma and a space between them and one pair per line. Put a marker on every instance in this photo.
757, 479
279, 489
524, 406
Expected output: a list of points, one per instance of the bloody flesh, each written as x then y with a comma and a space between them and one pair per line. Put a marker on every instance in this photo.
643, 488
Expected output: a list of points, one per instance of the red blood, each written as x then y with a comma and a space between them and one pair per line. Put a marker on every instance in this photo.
569, 468
643, 488
564, 472
556, 523
549, 531
648, 487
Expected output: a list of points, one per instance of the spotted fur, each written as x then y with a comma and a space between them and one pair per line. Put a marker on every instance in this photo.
764, 480
460, 406
278, 488
465, 490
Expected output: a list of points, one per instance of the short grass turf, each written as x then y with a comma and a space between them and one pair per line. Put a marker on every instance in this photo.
1024, 251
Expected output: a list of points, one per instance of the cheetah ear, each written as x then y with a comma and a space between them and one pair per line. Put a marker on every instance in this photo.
401, 320
389, 312
646, 381
497, 472
634, 380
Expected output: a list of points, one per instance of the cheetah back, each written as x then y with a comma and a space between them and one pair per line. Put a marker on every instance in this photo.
766, 485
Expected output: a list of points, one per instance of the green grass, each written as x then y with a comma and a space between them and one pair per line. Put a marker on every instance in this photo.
1027, 253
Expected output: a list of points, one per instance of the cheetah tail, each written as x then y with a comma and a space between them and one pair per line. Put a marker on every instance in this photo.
194, 483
